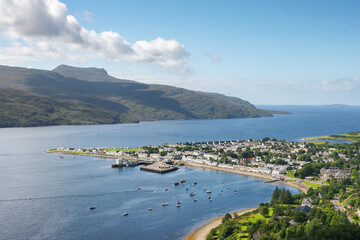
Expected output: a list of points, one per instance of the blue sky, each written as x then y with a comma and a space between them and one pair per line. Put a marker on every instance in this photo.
267, 52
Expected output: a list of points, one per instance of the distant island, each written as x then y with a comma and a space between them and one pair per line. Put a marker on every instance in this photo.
74, 96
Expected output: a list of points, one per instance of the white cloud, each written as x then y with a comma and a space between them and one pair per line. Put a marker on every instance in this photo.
343, 85
86, 16
44, 25
213, 57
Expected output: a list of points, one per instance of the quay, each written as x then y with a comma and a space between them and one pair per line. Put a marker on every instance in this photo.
159, 167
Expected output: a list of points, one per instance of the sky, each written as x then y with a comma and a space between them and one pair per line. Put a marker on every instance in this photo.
269, 52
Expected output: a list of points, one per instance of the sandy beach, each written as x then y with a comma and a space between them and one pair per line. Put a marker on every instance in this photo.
204, 230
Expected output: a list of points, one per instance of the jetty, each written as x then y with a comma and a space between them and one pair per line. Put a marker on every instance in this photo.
159, 167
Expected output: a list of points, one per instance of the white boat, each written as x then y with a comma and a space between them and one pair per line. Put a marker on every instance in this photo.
179, 202
155, 192
149, 208
209, 191
178, 205
125, 214
192, 194
164, 204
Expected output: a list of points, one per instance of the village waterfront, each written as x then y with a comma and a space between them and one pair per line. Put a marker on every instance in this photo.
44, 196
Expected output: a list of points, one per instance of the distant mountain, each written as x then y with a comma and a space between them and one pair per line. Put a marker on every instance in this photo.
91, 96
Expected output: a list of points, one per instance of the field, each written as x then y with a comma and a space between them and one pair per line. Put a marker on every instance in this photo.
352, 137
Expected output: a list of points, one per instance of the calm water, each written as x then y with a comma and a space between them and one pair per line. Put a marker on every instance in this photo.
43, 196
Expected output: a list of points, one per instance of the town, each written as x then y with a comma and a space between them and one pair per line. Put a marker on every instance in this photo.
269, 157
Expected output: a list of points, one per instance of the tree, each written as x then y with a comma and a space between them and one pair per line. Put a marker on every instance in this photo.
264, 210
275, 196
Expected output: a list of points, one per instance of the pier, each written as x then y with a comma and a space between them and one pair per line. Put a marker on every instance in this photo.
159, 167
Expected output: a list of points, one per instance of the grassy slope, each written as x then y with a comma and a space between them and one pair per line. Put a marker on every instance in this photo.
19, 108
352, 136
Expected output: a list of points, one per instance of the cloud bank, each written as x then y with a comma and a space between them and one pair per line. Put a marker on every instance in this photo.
45, 27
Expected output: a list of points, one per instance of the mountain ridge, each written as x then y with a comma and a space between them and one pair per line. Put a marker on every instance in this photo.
119, 99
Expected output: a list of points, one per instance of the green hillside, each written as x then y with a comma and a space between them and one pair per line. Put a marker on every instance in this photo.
117, 100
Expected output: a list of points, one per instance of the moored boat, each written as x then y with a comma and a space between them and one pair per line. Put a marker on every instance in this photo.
164, 204
192, 194
125, 214
92, 207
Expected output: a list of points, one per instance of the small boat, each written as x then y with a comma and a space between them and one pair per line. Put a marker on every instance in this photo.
92, 207
176, 183
166, 189
179, 202
220, 194
125, 214
183, 180
139, 188
186, 189
209, 191
149, 208
204, 188
222, 190
192, 194
228, 187
210, 197
178, 205
61, 157
195, 182
155, 192
195, 200
164, 204
235, 190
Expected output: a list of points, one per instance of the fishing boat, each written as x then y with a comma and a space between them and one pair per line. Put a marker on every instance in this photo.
209, 191
176, 183
192, 194
164, 204
92, 207
183, 180
125, 214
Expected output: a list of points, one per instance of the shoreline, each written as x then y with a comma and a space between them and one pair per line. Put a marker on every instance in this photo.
201, 231
303, 188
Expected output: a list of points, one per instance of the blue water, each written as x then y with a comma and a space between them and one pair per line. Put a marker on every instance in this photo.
43, 196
